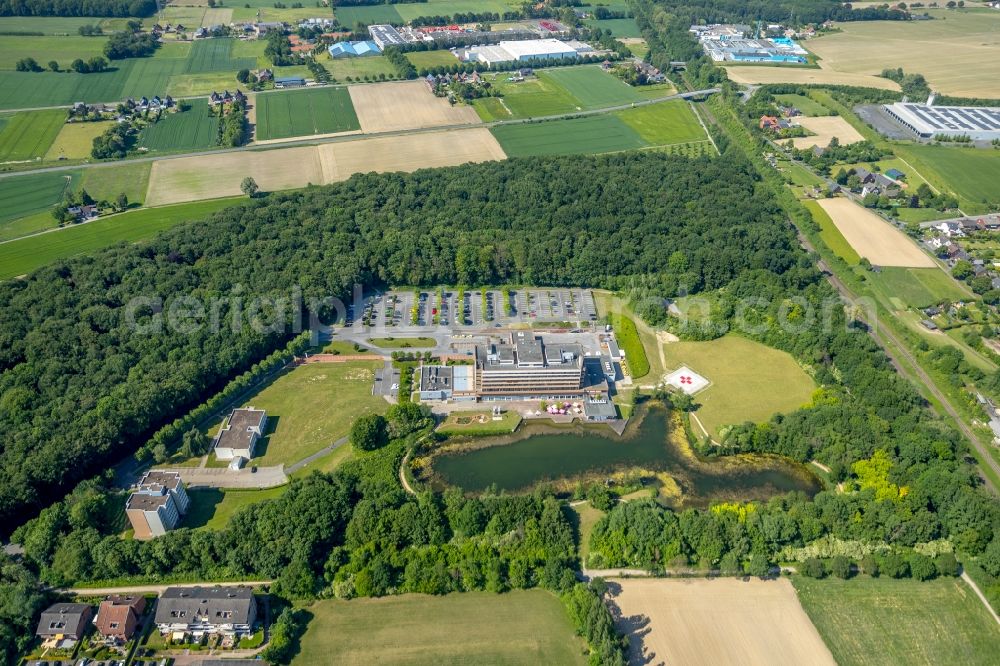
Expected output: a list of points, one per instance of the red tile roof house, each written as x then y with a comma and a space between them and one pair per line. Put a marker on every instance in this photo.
118, 617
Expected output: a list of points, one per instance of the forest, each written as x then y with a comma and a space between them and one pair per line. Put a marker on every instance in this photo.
116, 8
81, 386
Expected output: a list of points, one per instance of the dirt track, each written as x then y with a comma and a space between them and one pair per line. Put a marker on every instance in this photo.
722, 621
872, 237
404, 105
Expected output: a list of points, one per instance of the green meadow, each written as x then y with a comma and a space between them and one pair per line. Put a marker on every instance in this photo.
193, 129
305, 112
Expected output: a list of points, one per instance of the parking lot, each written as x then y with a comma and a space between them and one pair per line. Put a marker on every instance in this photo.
456, 308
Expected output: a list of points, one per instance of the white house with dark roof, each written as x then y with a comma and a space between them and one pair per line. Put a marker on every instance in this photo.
239, 435
221, 610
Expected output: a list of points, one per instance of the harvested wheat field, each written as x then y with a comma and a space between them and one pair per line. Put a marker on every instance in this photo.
214, 176
825, 128
805, 75
386, 107
408, 153
720, 621
872, 237
957, 51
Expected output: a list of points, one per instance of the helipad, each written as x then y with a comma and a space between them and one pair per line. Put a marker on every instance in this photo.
687, 380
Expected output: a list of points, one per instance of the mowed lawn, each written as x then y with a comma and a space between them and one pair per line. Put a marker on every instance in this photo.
182, 130
431, 59
312, 406
917, 287
519, 627
885, 621
75, 140
305, 112
211, 508
749, 381
25, 255
107, 182
28, 135
806, 105
626, 27
592, 134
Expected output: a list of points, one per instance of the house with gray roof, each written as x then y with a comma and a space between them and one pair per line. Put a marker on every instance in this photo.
64, 621
200, 611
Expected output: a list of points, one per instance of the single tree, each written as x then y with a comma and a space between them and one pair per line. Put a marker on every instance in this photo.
121, 201
841, 567
243, 75
249, 187
369, 432
53, 65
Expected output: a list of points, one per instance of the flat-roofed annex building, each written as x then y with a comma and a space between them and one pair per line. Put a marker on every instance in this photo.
239, 435
927, 121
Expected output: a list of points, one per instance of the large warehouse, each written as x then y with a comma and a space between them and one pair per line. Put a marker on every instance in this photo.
526, 51
924, 120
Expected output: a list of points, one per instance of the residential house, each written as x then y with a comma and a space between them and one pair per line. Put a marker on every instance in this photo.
118, 617
265, 75
769, 122
199, 611
239, 435
950, 229
64, 622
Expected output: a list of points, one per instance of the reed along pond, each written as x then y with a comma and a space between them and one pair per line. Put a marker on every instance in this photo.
542, 452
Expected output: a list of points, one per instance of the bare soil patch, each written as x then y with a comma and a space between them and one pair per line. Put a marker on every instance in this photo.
720, 621
872, 237
386, 107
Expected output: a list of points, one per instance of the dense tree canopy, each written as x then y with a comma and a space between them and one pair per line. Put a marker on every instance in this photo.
80, 385
119, 8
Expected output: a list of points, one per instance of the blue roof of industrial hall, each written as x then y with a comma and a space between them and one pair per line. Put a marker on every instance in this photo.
354, 49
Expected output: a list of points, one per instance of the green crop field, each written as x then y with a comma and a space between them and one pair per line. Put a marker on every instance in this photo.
664, 123
831, 234
918, 287
591, 86
211, 508
23, 195
749, 381
806, 105
431, 59
592, 134
27, 254
63, 50
28, 135
626, 27
972, 174
107, 182
519, 627
305, 112
184, 130
56, 25
310, 407
885, 621
403, 13
215, 55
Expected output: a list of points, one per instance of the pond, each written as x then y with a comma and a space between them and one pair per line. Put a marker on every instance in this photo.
541, 451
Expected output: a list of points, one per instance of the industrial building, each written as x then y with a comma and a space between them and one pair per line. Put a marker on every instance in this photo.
527, 50
385, 35
927, 121
730, 43
354, 49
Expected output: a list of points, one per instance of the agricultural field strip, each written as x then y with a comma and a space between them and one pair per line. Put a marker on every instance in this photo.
299, 141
